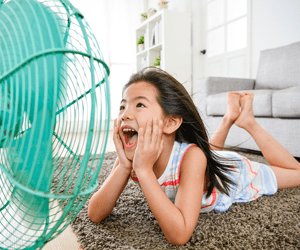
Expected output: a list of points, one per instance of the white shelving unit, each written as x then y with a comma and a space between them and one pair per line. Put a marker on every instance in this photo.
167, 34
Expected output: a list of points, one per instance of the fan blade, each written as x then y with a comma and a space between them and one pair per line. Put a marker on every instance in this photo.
29, 29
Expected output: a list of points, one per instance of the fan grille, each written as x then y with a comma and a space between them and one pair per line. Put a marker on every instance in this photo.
54, 119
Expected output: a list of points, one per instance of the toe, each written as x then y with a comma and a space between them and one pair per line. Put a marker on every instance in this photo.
249, 93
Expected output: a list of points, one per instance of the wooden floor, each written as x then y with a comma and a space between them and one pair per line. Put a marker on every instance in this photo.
67, 240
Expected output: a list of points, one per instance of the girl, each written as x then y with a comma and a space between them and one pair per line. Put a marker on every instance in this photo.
162, 144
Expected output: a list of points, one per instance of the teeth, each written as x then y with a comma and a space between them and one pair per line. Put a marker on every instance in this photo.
128, 129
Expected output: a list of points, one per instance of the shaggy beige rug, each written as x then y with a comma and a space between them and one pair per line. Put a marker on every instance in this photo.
271, 222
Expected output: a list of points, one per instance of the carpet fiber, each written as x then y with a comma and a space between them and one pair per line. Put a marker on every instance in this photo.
271, 222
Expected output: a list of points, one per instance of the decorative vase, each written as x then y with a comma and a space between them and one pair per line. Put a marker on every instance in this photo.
141, 47
163, 6
151, 13
144, 16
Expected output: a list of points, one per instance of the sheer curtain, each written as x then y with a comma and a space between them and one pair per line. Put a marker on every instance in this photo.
113, 23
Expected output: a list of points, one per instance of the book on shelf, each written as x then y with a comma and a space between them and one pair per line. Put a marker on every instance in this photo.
152, 43
156, 34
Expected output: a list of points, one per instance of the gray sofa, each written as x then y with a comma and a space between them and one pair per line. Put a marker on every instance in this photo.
276, 102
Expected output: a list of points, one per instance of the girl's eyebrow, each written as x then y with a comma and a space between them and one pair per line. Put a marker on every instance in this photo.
137, 98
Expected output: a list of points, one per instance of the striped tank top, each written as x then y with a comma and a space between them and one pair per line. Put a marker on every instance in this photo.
253, 179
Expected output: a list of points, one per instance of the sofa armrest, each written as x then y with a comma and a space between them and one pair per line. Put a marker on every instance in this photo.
214, 85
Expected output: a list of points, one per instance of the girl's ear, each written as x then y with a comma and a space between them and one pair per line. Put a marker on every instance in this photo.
173, 122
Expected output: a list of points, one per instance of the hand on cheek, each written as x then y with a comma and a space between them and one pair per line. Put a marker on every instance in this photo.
149, 146
124, 162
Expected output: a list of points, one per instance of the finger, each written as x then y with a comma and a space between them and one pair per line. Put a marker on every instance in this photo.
160, 130
147, 135
117, 141
115, 136
155, 131
140, 143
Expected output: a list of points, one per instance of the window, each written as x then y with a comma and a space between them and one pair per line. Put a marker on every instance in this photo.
226, 26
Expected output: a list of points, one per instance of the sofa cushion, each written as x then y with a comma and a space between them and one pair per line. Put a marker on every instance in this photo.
279, 68
262, 103
286, 103
216, 104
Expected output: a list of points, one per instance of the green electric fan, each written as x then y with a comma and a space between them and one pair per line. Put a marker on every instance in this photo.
54, 119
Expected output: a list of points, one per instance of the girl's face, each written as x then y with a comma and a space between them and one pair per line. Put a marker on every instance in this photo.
138, 105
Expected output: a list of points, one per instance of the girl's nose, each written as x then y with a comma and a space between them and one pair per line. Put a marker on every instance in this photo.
126, 115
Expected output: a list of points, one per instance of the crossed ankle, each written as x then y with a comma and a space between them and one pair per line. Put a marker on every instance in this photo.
248, 124
228, 120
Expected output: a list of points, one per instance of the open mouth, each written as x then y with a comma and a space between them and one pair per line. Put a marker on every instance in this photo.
130, 137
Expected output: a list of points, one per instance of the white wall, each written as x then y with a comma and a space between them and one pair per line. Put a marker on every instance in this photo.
274, 23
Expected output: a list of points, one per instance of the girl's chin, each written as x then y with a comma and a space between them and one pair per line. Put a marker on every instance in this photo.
129, 152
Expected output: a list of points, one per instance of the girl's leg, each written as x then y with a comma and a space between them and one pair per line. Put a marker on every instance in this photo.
284, 165
217, 140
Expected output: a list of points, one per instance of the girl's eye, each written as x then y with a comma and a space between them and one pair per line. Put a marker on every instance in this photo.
122, 107
140, 105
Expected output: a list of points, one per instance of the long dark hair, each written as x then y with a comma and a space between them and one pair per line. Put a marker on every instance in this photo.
175, 100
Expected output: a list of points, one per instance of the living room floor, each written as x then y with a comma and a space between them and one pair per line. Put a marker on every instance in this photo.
67, 240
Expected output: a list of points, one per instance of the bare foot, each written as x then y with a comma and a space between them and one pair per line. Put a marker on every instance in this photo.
246, 117
233, 106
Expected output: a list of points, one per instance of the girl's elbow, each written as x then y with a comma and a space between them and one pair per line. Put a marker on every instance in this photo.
93, 216
97, 215
96, 218
179, 240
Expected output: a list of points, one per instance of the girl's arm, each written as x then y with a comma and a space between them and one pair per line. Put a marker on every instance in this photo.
178, 220
104, 200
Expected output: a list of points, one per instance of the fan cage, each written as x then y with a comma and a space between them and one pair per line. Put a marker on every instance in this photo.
79, 127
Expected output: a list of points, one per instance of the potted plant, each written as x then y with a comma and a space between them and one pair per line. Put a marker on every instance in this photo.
143, 16
151, 12
162, 4
140, 43
157, 62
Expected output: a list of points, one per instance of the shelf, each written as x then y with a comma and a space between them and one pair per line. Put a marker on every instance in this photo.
157, 47
142, 53
170, 31
156, 17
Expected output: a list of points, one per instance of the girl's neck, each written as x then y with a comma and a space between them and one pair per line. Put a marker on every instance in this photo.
162, 162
